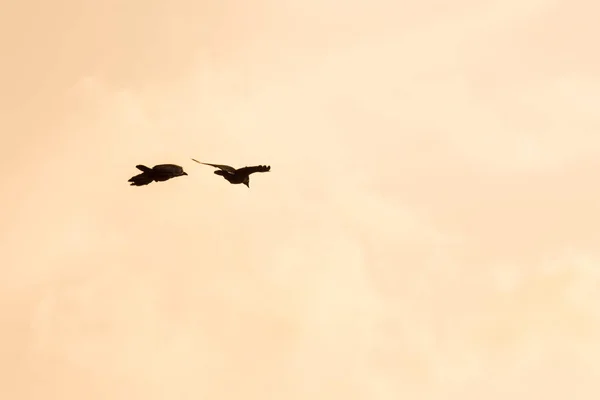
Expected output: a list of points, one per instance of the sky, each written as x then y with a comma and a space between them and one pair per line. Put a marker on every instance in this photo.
428, 230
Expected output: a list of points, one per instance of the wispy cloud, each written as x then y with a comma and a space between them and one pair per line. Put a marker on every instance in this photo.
428, 228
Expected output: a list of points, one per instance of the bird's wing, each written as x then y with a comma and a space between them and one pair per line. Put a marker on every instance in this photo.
140, 180
253, 169
143, 168
225, 168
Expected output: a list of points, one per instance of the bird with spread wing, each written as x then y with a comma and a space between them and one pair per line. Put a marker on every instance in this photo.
237, 176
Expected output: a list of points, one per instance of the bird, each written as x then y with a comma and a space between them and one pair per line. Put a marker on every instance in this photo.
237, 176
158, 173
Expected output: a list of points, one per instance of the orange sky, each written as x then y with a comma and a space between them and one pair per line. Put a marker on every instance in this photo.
429, 228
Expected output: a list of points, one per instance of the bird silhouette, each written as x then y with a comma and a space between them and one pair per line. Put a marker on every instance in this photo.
237, 176
158, 173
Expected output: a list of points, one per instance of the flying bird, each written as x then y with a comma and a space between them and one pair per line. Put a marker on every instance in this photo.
158, 173
237, 176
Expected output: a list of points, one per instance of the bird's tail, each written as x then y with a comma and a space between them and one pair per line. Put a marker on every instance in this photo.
143, 168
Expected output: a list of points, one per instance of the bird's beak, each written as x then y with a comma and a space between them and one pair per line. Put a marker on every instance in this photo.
247, 184
185, 173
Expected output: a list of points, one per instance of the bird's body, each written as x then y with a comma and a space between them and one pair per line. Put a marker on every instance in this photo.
158, 173
237, 176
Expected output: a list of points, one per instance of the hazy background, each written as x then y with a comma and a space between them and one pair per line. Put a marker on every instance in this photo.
430, 228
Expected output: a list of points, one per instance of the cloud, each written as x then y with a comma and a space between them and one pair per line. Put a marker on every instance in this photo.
405, 242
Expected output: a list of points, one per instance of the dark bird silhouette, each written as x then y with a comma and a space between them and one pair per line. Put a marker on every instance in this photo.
159, 173
237, 176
